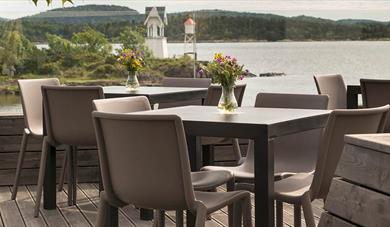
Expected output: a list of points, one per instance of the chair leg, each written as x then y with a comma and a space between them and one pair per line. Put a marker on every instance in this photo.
236, 215
297, 215
63, 169
237, 151
70, 176
247, 212
19, 165
179, 218
201, 212
107, 214
279, 213
230, 187
308, 211
74, 183
208, 155
41, 177
159, 218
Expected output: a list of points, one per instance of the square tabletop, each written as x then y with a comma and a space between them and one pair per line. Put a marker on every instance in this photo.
279, 121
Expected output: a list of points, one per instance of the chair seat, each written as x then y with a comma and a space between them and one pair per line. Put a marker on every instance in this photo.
36, 131
237, 171
208, 180
293, 188
217, 200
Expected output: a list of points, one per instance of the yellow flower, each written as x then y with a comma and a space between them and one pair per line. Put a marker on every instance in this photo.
218, 56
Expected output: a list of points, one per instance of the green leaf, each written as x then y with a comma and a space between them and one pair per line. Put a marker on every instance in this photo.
48, 2
35, 1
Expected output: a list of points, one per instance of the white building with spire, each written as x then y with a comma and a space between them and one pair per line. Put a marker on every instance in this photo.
155, 22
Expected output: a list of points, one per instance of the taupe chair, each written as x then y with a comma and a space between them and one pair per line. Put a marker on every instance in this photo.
301, 189
202, 181
292, 153
376, 93
31, 95
165, 182
184, 82
67, 115
214, 93
334, 87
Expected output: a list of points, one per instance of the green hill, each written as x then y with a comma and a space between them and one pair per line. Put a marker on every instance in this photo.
87, 14
212, 25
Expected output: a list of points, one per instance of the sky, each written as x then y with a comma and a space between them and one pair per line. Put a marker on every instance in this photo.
330, 9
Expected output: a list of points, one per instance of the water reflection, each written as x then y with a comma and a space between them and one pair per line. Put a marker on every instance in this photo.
10, 104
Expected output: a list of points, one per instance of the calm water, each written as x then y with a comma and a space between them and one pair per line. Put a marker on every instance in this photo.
299, 60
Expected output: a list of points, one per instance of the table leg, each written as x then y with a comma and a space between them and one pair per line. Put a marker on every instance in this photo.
264, 181
194, 152
146, 214
49, 186
352, 99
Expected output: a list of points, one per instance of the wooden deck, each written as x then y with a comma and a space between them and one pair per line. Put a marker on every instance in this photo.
19, 213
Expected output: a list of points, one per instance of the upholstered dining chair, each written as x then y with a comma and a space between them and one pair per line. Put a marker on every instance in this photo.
165, 183
301, 189
376, 93
67, 115
213, 95
334, 87
201, 181
31, 96
184, 82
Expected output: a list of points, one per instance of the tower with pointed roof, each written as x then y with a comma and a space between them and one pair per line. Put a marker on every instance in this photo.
155, 22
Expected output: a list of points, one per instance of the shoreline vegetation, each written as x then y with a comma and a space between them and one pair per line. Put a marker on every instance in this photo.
80, 41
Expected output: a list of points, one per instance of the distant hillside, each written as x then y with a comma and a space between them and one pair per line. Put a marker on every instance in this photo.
3, 19
88, 14
212, 25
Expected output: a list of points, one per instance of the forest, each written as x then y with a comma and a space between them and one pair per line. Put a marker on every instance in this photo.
212, 25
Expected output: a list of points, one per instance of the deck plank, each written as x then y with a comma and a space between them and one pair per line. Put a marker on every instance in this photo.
9, 210
71, 213
19, 213
26, 207
52, 217
92, 193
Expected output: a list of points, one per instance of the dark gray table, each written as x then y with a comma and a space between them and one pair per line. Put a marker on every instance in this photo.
259, 124
158, 94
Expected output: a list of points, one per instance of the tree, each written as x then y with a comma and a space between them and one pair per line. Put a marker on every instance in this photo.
92, 41
133, 39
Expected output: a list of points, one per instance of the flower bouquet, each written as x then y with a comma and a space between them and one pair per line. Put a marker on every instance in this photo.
226, 71
133, 60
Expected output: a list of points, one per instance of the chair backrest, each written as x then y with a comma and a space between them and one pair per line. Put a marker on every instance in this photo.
122, 105
144, 160
67, 113
215, 91
296, 152
340, 123
31, 95
186, 82
376, 93
334, 87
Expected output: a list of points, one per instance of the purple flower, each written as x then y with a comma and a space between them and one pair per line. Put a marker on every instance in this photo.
241, 77
201, 72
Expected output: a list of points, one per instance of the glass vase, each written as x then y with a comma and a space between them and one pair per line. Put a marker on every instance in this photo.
132, 83
227, 103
